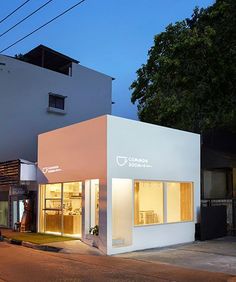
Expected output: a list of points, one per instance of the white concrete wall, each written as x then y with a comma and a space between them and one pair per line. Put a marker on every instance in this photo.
165, 154
24, 101
28, 171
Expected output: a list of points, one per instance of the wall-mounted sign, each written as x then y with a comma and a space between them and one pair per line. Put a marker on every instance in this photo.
132, 162
18, 191
51, 169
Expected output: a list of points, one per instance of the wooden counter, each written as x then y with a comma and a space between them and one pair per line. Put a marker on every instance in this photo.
72, 223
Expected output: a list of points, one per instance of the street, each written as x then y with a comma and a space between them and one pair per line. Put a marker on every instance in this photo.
25, 264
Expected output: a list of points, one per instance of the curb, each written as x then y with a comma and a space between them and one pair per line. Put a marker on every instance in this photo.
45, 248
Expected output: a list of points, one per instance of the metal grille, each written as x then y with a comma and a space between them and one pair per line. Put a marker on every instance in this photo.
9, 172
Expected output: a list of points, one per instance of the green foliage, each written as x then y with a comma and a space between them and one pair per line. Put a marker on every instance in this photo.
189, 80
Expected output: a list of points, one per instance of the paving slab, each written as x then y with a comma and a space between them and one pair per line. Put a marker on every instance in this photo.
75, 247
215, 255
222, 246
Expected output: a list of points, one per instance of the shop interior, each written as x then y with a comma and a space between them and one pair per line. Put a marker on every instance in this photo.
61, 208
143, 203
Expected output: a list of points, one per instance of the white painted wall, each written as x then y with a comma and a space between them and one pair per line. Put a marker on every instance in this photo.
169, 155
89, 150
122, 211
24, 101
28, 171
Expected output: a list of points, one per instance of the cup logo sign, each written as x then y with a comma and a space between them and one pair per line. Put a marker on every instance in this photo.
121, 161
133, 162
45, 170
51, 169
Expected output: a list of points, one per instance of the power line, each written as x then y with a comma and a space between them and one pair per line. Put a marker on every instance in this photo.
37, 29
18, 8
21, 21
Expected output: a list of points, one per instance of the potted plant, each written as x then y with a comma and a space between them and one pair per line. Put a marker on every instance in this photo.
93, 235
94, 230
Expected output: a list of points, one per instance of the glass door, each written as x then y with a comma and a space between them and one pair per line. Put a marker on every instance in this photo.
17, 209
14, 213
53, 209
72, 209
3, 213
61, 209
94, 203
21, 209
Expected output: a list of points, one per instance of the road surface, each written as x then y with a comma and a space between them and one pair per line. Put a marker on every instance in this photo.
18, 264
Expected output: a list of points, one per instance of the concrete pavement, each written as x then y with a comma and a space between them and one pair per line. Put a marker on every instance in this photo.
75, 247
216, 255
25, 264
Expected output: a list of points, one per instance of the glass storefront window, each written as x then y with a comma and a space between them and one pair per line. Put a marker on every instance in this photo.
162, 202
53, 221
53, 191
61, 208
122, 212
53, 208
3, 213
179, 202
94, 203
148, 207
72, 208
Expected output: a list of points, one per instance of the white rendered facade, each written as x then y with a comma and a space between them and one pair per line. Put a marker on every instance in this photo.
169, 156
129, 161
24, 96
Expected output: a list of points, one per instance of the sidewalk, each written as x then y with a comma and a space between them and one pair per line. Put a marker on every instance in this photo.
46, 242
76, 247
35, 238
217, 255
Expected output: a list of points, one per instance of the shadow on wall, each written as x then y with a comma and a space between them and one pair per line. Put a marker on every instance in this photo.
41, 178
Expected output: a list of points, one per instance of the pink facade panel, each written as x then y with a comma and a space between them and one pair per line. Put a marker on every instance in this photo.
74, 153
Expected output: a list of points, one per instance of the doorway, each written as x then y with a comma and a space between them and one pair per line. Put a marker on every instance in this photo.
61, 209
92, 205
17, 209
4, 213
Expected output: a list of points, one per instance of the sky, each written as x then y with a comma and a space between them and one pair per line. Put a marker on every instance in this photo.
110, 36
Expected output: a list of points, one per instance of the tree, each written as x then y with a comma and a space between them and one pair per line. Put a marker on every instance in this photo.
189, 80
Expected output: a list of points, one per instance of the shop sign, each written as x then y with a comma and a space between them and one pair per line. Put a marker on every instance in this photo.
18, 191
125, 161
51, 169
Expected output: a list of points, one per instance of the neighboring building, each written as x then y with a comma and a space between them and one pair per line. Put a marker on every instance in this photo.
42, 91
17, 184
138, 182
219, 172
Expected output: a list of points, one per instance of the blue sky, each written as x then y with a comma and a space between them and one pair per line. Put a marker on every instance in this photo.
111, 36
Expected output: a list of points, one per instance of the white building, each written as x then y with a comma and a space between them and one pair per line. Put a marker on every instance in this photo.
140, 183
47, 90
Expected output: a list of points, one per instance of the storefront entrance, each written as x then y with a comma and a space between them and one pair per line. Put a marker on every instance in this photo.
4, 213
4, 207
17, 209
61, 209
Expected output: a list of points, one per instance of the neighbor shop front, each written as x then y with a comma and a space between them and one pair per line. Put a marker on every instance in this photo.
138, 182
17, 185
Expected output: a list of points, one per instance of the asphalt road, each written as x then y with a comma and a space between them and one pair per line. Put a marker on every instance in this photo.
23, 264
